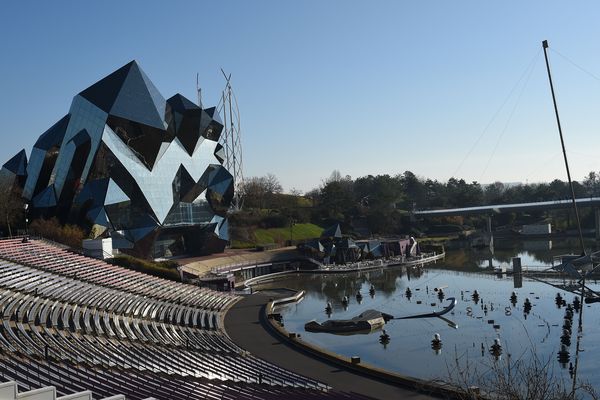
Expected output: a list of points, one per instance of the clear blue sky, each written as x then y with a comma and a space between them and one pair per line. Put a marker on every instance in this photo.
362, 87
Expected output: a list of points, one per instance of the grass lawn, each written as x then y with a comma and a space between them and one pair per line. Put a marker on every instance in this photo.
435, 239
277, 235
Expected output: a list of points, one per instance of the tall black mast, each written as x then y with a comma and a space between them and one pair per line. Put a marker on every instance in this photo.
583, 274
562, 142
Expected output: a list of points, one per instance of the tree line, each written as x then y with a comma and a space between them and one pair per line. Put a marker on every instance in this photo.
382, 203
377, 203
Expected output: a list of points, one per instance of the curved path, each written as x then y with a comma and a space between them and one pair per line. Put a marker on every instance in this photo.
242, 323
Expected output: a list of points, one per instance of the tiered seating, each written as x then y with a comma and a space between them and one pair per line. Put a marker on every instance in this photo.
60, 261
10, 391
78, 323
138, 385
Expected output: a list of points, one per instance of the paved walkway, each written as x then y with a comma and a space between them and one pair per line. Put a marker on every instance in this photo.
242, 323
200, 266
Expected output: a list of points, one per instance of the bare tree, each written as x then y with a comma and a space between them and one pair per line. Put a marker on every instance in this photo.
258, 191
335, 176
272, 185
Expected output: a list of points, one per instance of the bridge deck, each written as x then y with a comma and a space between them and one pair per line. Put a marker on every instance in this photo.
506, 208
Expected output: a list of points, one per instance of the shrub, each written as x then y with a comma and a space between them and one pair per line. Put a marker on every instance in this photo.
437, 229
245, 218
71, 235
162, 269
275, 221
526, 377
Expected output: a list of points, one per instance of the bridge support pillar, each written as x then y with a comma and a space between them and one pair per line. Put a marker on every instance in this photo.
489, 231
597, 222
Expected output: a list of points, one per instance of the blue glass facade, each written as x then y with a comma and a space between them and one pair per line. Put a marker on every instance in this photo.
144, 170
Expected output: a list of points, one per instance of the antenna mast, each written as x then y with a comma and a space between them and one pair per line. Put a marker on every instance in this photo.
198, 90
231, 140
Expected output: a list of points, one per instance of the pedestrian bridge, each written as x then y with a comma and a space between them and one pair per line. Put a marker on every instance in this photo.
492, 210
508, 208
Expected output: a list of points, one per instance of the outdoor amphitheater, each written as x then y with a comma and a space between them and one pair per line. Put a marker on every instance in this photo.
74, 327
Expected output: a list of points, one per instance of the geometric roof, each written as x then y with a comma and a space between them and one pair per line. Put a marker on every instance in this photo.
54, 135
18, 164
333, 231
129, 94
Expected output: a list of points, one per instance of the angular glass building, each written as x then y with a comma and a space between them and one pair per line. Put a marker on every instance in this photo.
131, 165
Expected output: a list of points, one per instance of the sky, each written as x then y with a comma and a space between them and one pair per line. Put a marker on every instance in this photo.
440, 88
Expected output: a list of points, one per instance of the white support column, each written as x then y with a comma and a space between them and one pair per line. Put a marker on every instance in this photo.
489, 229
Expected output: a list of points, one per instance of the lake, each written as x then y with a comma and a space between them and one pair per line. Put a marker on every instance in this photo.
480, 321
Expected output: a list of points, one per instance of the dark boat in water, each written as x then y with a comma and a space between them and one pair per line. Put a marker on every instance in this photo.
368, 321
364, 322
447, 309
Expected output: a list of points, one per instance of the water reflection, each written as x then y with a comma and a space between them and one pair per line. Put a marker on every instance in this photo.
493, 310
534, 254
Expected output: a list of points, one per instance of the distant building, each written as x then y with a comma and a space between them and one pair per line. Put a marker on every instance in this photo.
539, 229
133, 166
333, 247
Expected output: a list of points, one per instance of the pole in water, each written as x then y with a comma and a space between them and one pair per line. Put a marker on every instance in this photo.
436, 344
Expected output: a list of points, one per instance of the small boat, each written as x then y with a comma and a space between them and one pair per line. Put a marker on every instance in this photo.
365, 322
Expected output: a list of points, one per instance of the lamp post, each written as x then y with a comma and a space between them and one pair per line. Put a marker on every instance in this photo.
292, 223
26, 208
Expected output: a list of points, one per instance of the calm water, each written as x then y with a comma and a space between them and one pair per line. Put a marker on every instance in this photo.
409, 351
